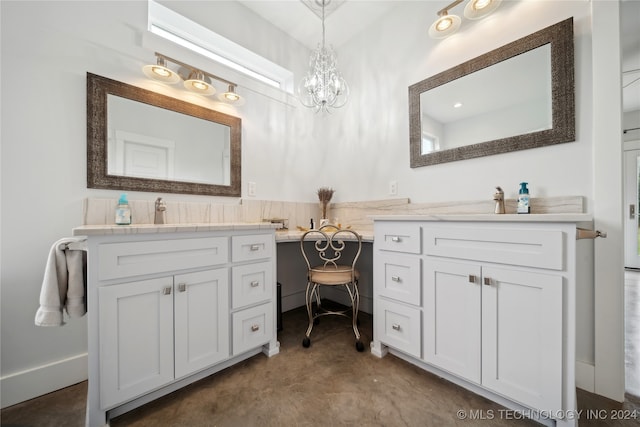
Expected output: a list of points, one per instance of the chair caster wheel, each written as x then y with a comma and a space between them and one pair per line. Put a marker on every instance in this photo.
306, 342
359, 346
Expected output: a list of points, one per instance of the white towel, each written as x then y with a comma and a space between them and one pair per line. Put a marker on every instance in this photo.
63, 286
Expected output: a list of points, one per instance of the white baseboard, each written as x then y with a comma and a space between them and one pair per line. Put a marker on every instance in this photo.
25, 385
585, 376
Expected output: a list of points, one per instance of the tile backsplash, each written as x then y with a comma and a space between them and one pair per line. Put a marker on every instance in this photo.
355, 214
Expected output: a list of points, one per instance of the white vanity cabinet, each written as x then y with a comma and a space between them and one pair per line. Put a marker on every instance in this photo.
492, 308
169, 307
158, 330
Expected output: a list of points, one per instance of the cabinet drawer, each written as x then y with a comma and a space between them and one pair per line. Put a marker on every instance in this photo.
252, 283
398, 237
524, 247
398, 326
254, 247
252, 327
116, 260
398, 277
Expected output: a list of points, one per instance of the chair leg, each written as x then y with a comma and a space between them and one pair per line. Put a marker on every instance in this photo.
354, 295
311, 291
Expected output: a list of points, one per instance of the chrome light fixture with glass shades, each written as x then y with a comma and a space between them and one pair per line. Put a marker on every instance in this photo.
323, 87
193, 79
448, 24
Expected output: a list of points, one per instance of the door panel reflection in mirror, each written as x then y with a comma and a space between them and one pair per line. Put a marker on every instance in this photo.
517, 110
512, 97
152, 142
140, 140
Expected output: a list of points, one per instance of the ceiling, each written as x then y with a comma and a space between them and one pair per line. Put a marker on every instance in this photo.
345, 19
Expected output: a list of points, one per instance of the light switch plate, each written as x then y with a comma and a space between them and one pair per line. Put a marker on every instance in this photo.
251, 190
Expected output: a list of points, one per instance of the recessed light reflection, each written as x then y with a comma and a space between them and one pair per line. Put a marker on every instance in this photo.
457, 105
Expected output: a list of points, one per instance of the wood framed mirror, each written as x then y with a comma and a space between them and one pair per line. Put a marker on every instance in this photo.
498, 96
139, 140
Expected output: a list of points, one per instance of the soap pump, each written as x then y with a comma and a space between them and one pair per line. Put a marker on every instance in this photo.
523, 199
123, 211
498, 196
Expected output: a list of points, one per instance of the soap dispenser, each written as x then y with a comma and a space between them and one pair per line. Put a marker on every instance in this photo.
123, 211
523, 199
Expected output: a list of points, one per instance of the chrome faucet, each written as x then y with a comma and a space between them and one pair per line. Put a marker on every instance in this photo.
161, 208
498, 196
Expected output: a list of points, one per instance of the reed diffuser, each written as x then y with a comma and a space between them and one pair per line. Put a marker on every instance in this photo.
324, 195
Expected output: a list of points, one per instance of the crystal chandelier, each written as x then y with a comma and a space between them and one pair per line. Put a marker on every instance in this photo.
323, 87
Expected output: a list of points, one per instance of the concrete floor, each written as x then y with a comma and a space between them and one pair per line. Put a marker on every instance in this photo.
329, 383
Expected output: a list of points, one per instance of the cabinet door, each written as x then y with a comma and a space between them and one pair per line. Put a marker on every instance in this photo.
522, 336
201, 320
136, 339
452, 339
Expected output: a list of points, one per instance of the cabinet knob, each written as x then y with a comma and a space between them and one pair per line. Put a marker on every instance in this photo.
255, 328
395, 278
166, 290
396, 239
487, 281
255, 248
255, 284
395, 327
472, 278
182, 287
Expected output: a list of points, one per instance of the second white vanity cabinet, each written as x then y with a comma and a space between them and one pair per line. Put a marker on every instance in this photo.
169, 305
488, 304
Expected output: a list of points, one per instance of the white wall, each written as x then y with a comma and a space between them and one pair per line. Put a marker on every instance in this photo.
47, 49
288, 151
398, 52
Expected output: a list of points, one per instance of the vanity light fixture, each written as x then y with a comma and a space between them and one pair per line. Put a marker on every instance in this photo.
447, 24
323, 87
194, 80
160, 72
231, 96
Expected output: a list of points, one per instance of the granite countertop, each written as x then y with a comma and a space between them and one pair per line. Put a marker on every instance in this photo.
295, 235
101, 230
560, 217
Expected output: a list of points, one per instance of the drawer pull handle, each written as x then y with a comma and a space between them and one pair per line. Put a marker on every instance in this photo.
182, 287
255, 328
396, 239
395, 327
255, 247
487, 281
472, 278
395, 278
255, 284
166, 290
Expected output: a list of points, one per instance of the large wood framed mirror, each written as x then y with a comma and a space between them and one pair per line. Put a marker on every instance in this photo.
139, 140
516, 97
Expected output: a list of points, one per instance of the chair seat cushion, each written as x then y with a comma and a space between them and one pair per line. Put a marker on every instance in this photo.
331, 274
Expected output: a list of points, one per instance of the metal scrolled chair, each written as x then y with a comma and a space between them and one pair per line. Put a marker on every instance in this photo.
327, 266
